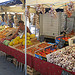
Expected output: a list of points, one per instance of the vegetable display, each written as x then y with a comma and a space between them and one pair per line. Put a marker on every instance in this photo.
64, 58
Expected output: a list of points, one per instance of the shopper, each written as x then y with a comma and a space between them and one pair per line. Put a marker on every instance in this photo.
2, 23
10, 23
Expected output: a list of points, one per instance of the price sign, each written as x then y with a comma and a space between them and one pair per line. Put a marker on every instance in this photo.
66, 73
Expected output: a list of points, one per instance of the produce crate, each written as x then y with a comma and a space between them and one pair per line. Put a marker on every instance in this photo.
44, 57
31, 49
6, 31
56, 56
9, 58
68, 35
37, 47
59, 50
11, 31
43, 45
14, 61
38, 56
35, 42
71, 41
41, 57
57, 38
32, 71
14, 47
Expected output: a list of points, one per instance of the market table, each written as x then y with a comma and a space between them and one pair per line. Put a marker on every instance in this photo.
45, 68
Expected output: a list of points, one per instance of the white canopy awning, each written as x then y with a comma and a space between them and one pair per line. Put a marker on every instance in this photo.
33, 2
16, 8
57, 3
3, 1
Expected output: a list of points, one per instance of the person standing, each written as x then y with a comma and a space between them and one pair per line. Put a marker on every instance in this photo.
20, 29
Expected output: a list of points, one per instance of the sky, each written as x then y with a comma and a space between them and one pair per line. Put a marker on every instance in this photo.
3, 1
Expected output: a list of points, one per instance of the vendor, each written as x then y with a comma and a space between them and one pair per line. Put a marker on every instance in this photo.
21, 29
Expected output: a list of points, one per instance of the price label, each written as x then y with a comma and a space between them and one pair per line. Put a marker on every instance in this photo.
66, 73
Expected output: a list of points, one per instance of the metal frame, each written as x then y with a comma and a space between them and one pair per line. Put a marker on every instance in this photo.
25, 38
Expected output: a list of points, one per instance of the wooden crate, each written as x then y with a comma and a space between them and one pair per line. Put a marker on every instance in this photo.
30, 52
43, 43
32, 71
71, 40
14, 61
14, 47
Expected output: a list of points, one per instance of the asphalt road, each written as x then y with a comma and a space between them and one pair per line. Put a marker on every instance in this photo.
8, 68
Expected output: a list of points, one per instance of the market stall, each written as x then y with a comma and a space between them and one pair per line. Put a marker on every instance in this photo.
42, 66
44, 57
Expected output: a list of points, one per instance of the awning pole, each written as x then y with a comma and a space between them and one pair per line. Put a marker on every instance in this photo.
25, 39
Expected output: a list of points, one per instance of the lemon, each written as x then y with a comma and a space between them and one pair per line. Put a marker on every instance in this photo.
24, 36
28, 34
17, 38
32, 36
21, 40
15, 42
11, 43
28, 38
27, 41
23, 43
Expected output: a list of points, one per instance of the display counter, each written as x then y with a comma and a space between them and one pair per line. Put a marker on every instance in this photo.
45, 68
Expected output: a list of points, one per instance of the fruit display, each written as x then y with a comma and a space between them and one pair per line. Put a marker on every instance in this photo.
64, 38
2, 28
2, 36
44, 52
68, 36
20, 48
10, 33
19, 40
16, 41
6, 32
43, 45
29, 37
64, 58
2, 40
39, 47
32, 49
19, 43
32, 36
6, 42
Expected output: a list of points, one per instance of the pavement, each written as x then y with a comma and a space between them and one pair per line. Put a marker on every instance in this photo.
8, 68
